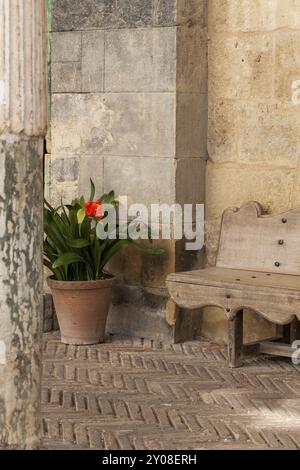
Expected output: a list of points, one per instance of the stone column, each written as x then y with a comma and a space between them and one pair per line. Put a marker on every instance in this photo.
23, 121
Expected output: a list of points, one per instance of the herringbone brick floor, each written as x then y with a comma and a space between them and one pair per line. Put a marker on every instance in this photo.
134, 394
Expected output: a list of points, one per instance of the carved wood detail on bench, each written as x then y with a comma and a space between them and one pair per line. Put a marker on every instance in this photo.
258, 267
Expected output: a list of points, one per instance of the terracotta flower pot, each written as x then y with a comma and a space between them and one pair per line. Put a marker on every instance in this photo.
82, 309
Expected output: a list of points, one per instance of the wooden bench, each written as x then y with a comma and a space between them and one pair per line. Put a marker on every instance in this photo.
258, 268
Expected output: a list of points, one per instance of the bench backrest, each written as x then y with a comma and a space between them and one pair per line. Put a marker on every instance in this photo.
253, 241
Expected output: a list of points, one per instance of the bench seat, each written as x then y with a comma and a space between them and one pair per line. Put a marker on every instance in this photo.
257, 268
238, 278
274, 296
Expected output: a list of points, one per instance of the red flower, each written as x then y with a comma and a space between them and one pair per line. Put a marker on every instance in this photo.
92, 207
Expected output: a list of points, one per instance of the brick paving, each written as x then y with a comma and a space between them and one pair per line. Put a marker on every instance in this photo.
136, 394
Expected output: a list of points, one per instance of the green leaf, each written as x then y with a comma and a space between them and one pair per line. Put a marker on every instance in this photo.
79, 243
85, 229
65, 218
48, 205
50, 252
67, 258
109, 198
112, 250
74, 227
93, 190
99, 248
80, 216
53, 232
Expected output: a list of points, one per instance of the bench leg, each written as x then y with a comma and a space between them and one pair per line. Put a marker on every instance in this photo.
290, 332
235, 339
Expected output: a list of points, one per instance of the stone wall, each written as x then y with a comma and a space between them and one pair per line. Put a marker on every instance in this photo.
129, 101
129, 108
254, 139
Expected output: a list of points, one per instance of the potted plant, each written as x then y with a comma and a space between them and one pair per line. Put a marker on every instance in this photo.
77, 257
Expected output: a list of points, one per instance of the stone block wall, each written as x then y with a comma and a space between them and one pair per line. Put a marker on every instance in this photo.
253, 138
129, 108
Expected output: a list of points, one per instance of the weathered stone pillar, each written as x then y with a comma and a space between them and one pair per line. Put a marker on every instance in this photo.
23, 121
